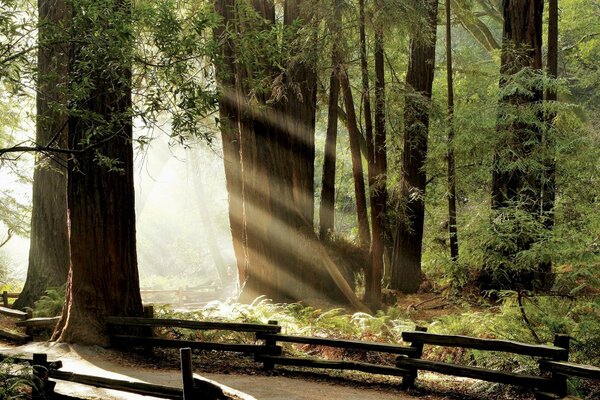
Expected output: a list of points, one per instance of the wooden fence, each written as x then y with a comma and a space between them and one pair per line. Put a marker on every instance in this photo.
180, 297
550, 383
183, 297
46, 374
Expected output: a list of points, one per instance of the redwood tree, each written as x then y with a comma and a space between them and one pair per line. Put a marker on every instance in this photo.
228, 124
327, 206
103, 276
406, 259
48, 251
523, 167
452, 228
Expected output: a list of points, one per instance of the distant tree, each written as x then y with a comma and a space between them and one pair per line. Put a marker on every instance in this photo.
357, 169
49, 247
327, 206
452, 228
406, 260
377, 162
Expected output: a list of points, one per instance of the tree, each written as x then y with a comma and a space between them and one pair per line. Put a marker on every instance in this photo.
327, 206
230, 134
406, 259
452, 228
48, 251
282, 257
522, 165
357, 170
377, 163
103, 277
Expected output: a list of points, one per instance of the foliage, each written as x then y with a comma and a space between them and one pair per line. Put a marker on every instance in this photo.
51, 303
16, 380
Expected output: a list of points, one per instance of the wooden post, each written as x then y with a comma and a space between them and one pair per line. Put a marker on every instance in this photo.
40, 373
149, 313
5, 298
409, 381
187, 373
269, 365
561, 380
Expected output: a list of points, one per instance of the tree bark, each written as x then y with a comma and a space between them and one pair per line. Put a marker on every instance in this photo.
48, 251
103, 277
230, 132
452, 228
378, 179
327, 208
300, 110
357, 170
406, 269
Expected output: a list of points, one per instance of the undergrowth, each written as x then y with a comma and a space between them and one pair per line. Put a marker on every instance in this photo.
546, 315
16, 380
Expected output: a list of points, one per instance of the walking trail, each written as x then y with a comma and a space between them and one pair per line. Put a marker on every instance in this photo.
101, 362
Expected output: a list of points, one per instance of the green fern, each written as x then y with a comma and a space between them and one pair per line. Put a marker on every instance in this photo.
50, 304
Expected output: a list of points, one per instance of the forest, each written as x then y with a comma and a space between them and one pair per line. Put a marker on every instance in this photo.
356, 168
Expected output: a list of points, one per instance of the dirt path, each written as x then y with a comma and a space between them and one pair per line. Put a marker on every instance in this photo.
101, 362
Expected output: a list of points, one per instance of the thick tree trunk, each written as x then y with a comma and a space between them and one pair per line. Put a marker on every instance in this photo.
514, 187
103, 276
300, 111
357, 170
406, 270
452, 228
49, 251
230, 132
285, 261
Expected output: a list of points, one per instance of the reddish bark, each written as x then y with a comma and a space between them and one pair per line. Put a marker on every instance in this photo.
49, 247
406, 259
103, 277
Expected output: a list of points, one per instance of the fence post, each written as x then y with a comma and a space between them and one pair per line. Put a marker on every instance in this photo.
409, 381
269, 365
187, 374
5, 298
40, 373
149, 313
562, 341
29, 329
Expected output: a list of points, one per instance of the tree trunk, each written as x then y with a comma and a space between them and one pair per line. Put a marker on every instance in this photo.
357, 170
103, 276
452, 228
377, 177
284, 258
230, 133
406, 270
515, 188
49, 251
327, 208
300, 110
